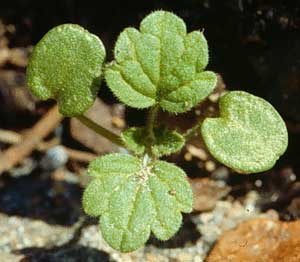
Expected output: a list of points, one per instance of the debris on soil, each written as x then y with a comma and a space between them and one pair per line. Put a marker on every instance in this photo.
55, 158
18, 233
102, 114
17, 56
11, 137
293, 209
259, 240
196, 152
207, 192
16, 153
186, 246
36, 239
14, 95
227, 215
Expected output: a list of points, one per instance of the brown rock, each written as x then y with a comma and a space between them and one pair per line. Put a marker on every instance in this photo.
206, 193
259, 240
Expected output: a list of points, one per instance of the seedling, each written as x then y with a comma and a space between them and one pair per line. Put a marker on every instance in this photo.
160, 67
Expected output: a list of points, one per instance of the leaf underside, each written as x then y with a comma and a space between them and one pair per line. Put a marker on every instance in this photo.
66, 65
249, 136
161, 64
133, 201
166, 141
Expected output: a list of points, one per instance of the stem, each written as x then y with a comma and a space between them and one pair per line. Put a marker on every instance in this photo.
193, 131
151, 121
150, 129
100, 130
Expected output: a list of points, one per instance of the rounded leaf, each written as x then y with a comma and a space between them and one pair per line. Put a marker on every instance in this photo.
66, 65
249, 136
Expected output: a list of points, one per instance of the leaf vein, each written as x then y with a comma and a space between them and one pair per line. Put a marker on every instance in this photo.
139, 62
130, 220
132, 86
162, 224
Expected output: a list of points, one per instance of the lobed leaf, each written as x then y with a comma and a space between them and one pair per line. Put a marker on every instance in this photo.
113, 164
134, 203
66, 65
249, 136
134, 138
161, 64
166, 141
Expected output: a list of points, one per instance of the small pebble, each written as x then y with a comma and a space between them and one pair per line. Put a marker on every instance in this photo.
221, 173
118, 122
197, 152
258, 183
188, 156
55, 157
214, 97
210, 166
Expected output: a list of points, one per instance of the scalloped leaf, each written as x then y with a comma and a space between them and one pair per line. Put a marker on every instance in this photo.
249, 136
166, 141
135, 199
66, 65
161, 63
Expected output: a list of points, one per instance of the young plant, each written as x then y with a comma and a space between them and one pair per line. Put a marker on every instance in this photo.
159, 66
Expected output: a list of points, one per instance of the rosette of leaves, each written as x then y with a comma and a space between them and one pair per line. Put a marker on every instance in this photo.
134, 198
160, 64
66, 65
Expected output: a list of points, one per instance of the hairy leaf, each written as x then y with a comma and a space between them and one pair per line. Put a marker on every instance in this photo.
249, 136
166, 141
161, 63
66, 65
139, 198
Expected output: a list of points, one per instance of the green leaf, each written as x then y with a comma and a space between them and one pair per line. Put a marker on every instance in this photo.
166, 141
161, 64
140, 198
249, 136
113, 164
66, 65
134, 139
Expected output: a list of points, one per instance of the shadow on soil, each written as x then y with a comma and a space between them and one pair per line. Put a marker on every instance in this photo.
39, 196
